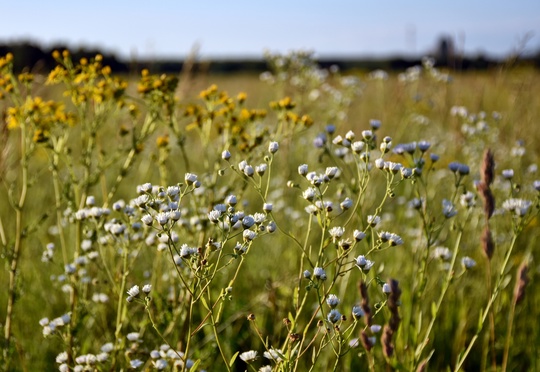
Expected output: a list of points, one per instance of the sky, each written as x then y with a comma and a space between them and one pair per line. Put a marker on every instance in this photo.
245, 28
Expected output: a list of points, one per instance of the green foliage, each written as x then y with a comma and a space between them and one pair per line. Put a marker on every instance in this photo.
316, 222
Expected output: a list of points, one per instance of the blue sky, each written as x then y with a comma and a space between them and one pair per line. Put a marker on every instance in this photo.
170, 28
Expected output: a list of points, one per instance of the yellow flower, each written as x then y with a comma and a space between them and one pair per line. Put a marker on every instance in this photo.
162, 141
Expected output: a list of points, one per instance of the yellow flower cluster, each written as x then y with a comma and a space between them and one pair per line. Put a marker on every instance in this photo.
88, 81
41, 115
158, 89
284, 109
227, 114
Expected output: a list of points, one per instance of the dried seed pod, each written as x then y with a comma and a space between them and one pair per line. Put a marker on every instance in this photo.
488, 246
488, 168
521, 282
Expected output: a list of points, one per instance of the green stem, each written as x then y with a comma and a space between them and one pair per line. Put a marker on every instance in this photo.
487, 309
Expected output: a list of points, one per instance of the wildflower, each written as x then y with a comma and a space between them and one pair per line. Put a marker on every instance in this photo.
358, 235
536, 185
214, 216
225, 155
392, 167
332, 300
249, 356
442, 253
357, 147
375, 328
90, 201
248, 221
448, 208
248, 170
160, 364
319, 273
375, 124
386, 288
346, 204
354, 343
274, 354
336, 232
424, 146
434, 157
303, 170
273, 147
133, 336
135, 363
249, 235
190, 178
133, 291
357, 312
271, 227
147, 219
62, 357
367, 135
380, 163
309, 194
331, 172
361, 261
307, 274
519, 206
147, 288
267, 207
508, 174
468, 263
261, 169
467, 199
231, 200
406, 172
145, 187
334, 316
373, 220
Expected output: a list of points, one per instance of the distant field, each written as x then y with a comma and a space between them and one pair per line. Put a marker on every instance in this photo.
255, 207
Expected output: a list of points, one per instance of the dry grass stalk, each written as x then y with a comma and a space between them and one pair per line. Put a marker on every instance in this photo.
365, 303
488, 246
521, 283
488, 168
487, 197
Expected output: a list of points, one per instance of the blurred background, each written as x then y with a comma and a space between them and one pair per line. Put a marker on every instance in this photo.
388, 34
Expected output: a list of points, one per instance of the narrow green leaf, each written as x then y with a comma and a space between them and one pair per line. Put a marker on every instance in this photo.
233, 358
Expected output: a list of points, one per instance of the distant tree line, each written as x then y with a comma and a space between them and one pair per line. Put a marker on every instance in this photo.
31, 56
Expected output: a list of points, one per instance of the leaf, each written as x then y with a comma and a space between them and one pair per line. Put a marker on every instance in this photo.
205, 304
233, 358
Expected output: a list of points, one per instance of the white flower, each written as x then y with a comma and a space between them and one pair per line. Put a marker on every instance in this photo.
357, 312
358, 146
231, 200
373, 220
267, 207
386, 288
309, 194
336, 232
225, 155
133, 291
319, 273
274, 354
273, 147
62, 357
332, 300
90, 201
358, 235
334, 316
468, 263
303, 170
249, 235
331, 172
248, 170
133, 336
147, 219
135, 363
190, 178
147, 288
248, 356
448, 208
160, 364
519, 206
346, 204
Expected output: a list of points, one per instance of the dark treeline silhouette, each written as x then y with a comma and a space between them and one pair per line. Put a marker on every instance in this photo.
33, 57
